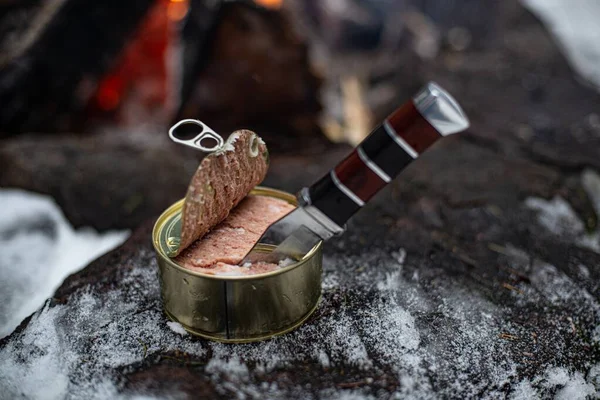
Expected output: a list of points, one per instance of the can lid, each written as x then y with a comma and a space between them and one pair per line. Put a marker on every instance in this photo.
440, 109
167, 230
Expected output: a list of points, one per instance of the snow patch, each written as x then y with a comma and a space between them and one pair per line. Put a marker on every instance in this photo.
177, 328
73, 350
576, 30
39, 250
559, 382
356, 394
523, 391
572, 386
559, 289
400, 256
232, 368
558, 217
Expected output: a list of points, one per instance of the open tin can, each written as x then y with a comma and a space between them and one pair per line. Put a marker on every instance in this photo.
236, 309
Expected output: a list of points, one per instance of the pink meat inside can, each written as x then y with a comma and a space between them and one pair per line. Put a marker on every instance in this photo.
220, 250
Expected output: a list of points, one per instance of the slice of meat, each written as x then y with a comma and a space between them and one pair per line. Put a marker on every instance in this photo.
226, 245
222, 180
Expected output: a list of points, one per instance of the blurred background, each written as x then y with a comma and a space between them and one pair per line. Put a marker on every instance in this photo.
89, 90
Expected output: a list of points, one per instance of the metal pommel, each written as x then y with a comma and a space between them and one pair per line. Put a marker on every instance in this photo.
440, 110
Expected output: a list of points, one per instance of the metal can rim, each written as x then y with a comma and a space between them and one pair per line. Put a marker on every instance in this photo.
258, 190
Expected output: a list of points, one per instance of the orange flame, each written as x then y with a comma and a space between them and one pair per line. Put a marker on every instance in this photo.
177, 9
273, 4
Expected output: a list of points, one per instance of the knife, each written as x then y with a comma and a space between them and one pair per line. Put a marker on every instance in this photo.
324, 207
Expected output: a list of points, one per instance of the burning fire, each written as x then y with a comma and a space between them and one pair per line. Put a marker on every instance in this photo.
140, 79
141, 73
177, 9
273, 4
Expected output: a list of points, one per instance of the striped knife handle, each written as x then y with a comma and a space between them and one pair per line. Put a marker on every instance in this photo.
401, 138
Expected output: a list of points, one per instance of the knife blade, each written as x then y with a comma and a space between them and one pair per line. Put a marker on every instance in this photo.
294, 235
325, 206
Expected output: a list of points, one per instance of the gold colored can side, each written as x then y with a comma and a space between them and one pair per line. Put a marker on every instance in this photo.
236, 308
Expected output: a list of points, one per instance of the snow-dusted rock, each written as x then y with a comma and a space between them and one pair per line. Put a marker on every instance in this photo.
420, 314
39, 250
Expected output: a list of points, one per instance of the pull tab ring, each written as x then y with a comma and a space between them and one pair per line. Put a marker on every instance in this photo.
196, 141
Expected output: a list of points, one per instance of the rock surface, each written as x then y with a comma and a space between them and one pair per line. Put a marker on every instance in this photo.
39, 250
475, 274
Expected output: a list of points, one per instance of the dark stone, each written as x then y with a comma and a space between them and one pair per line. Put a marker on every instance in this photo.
100, 181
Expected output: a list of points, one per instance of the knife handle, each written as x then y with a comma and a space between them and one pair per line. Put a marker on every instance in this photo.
400, 139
